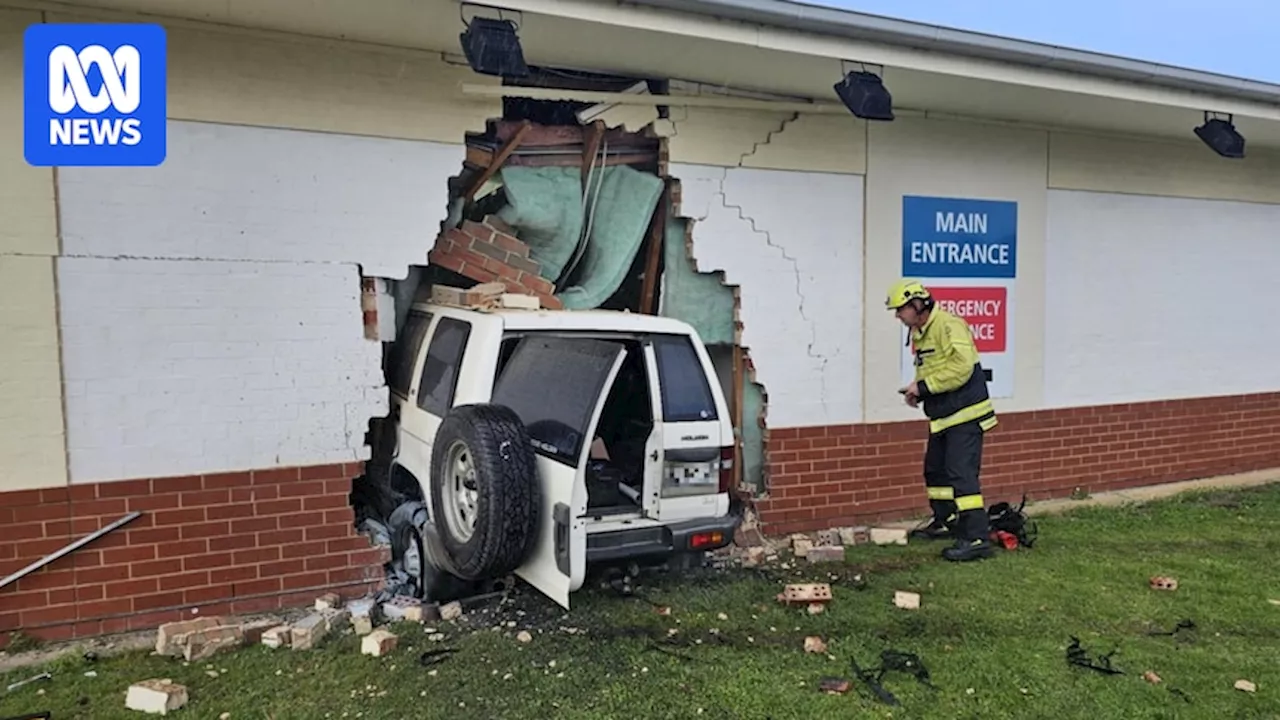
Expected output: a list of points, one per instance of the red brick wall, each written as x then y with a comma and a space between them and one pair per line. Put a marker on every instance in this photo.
852, 474
488, 252
227, 543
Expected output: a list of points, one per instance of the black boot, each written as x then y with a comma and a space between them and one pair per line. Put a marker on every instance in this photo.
935, 530
966, 550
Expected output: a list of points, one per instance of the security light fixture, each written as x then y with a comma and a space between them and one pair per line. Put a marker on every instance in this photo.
1221, 136
492, 47
865, 95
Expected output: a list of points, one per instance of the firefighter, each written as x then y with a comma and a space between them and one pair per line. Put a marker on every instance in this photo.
952, 386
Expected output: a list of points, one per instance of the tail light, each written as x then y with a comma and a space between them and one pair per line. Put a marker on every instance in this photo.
726, 469
699, 541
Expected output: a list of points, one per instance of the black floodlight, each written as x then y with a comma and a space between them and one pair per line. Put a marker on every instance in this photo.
865, 95
492, 48
1221, 136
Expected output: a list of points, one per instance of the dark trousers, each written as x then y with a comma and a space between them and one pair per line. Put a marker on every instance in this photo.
952, 464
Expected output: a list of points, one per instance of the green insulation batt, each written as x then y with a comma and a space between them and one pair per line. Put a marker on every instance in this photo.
545, 206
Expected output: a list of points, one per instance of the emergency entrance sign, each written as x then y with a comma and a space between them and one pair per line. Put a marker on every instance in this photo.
965, 250
984, 308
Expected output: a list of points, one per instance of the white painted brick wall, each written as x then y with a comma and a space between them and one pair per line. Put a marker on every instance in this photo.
178, 367
1153, 298
793, 242
246, 193
211, 307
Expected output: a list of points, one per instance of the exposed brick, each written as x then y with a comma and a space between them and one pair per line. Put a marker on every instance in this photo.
477, 230
857, 473
510, 243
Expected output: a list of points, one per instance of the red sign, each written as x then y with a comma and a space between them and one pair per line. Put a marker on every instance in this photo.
985, 310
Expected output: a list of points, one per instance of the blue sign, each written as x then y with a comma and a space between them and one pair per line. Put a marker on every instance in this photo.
94, 94
959, 238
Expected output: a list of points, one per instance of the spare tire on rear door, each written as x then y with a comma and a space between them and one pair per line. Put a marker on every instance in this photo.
485, 497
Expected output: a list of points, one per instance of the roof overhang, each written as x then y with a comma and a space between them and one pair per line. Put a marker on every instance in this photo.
774, 48
863, 27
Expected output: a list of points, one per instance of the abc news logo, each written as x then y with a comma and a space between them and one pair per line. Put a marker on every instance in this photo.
69, 89
94, 94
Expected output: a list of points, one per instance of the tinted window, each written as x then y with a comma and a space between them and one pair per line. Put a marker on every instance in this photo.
686, 397
553, 384
440, 371
404, 352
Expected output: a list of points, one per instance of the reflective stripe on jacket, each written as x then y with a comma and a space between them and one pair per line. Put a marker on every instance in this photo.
949, 374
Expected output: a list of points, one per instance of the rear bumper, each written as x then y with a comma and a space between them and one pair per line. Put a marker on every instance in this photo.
663, 540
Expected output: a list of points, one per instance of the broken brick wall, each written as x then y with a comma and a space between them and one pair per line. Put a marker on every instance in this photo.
203, 324
241, 542
489, 251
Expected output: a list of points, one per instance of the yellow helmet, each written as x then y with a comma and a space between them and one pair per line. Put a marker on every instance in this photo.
903, 292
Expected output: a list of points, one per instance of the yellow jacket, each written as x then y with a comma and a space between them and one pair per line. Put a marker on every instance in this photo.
949, 375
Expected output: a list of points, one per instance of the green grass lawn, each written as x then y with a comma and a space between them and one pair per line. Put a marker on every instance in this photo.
993, 636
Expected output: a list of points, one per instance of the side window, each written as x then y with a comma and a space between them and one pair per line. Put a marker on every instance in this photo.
440, 371
686, 396
404, 352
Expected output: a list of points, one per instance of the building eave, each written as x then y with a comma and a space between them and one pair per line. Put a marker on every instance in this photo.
851, 25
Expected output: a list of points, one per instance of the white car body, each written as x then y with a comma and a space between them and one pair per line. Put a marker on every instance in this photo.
679, 507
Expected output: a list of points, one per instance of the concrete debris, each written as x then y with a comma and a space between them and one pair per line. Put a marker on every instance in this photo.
336, 619
817, 608
801, 546
805, 593
1246, 686
815, 644
906, 600
168, 634
828, 538
363, 624
328, 601
277, 637
198, 639
378, 643
362, 607
889, 536
1151, 677
452, 611
156, 697
826, 553
860, 535
399, 606
1160, 582
754, 557
254, 629
308, 632
524, 636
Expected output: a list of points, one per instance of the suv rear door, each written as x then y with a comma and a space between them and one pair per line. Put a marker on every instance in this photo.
696, 446
558, 386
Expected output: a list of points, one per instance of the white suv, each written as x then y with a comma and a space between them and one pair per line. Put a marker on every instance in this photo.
545, 441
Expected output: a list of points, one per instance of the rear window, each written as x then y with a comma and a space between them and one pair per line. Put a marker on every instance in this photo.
404, 352
686, 396
553, 384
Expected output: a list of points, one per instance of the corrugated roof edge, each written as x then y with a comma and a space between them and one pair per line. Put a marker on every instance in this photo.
836, 22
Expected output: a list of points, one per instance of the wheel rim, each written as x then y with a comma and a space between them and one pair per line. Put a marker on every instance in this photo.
461, 494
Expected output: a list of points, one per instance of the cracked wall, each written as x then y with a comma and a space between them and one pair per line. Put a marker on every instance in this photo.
210, 308
792, 243
776, 205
